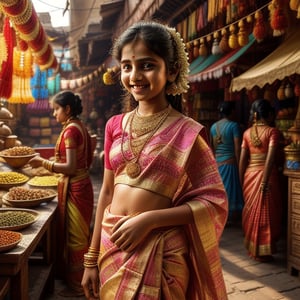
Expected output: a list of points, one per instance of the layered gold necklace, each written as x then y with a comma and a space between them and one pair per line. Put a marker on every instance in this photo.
255, 138
140, 130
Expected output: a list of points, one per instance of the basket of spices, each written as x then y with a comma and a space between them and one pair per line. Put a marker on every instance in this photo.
26, 197
9, 179
18, 156
47, 181
9, 239
17, 218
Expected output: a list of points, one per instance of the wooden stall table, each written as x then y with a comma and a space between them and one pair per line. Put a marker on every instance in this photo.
16, 263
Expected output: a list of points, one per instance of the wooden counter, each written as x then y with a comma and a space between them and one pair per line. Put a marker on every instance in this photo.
37, 238
293, 238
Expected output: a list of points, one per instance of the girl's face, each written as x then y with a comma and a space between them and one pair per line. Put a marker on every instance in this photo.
143, 73
60, 113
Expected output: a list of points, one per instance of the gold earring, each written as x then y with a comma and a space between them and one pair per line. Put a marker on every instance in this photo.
172, 89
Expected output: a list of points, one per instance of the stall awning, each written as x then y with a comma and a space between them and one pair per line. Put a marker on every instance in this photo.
201, 63
222, 65
282, 62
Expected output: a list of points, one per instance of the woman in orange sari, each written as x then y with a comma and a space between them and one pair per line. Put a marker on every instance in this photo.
73, 156
259, 175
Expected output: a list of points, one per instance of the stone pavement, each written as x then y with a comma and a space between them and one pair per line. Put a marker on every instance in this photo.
247, 279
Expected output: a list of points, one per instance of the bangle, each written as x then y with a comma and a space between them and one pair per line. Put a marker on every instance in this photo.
90, 259
48, 165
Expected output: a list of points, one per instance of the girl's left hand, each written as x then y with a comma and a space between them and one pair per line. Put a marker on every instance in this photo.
130, 231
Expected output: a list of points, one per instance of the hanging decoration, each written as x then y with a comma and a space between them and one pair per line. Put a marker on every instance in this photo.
260, 29
22, 72
224, 41
279, 21
203, 48
295, 5
277, 10
111, 76
216, 49
26, 22
196, 49
40, 92
243, 34
233, 40
81, 81
7, 64
53, 82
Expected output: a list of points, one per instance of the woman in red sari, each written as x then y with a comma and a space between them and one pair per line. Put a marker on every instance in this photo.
258, 170
73, 156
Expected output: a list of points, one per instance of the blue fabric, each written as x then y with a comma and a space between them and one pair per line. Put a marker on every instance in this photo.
229, 172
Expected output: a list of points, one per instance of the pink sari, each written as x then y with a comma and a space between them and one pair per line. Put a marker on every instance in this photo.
262, 212
173, 263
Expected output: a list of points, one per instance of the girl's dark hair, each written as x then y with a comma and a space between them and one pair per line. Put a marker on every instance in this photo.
260, 109
66, 98
157, 39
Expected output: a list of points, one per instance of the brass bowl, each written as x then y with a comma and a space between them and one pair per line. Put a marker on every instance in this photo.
17, 161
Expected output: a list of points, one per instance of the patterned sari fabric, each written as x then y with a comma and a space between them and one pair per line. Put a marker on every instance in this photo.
173, 263
262, 213
75, 205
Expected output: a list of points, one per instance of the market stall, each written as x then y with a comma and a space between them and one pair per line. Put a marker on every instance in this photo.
28, 204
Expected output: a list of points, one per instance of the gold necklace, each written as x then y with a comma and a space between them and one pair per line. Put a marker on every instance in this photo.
140, 131
255, 139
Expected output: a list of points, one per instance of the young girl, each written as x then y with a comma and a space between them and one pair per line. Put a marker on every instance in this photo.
73, 156
162, 206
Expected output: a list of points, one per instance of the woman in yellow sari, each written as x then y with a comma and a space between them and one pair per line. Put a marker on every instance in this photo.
73, 156
162, 206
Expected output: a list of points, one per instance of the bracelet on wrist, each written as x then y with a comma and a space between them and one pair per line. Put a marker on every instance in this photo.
90, 259
48, 165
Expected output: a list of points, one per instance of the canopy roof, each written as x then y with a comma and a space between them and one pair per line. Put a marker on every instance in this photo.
282, 62
216, 65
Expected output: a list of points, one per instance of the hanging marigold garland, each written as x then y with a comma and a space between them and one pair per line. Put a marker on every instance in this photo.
22, 73
7, 65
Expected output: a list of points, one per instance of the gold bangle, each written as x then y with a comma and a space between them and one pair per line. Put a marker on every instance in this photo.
48, 165
90, 260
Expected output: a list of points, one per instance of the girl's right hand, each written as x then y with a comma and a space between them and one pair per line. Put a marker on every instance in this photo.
90, 283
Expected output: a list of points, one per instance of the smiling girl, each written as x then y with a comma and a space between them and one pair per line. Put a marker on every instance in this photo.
162, 206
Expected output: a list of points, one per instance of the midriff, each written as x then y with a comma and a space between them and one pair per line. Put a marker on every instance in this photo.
128, 200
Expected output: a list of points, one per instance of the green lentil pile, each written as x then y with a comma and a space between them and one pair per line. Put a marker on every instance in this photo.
15, 218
